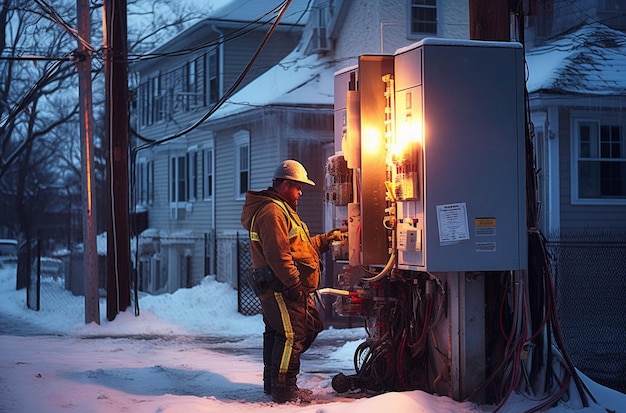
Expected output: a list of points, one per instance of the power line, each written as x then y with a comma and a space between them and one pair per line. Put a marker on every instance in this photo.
55, 17
247, 28
226, 95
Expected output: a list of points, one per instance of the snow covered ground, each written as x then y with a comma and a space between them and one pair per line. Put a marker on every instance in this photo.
186, 352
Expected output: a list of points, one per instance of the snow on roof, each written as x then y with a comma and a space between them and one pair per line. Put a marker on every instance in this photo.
265, 10
295, 80
238, 14
589, 60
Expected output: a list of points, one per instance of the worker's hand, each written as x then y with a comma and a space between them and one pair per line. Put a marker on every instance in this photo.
294, 293
336, 234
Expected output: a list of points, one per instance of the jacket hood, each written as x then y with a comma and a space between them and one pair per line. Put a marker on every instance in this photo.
254, 201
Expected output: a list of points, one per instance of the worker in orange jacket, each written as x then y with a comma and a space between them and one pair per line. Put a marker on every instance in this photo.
287, 266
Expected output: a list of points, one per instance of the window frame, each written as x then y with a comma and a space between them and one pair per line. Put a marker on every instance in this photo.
418, 34
192, 173
242, 163
158, 98
145, 181
177, 175
577, 157
193, 90
213, 87
208, 171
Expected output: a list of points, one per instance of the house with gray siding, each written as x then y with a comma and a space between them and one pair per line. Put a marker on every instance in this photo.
577, 87
192, 187
285, 112
577, 98
175, 163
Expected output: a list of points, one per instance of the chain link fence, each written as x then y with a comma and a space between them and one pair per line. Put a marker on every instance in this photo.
248, 302
589, 270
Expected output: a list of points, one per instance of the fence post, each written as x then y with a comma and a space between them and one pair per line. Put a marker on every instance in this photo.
238, 274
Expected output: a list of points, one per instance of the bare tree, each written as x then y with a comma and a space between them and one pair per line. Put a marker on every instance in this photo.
37, 77
39, 151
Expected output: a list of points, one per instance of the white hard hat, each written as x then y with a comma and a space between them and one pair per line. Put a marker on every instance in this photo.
293, 171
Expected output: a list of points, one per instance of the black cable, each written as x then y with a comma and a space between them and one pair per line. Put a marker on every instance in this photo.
151, 142
539, 263
21, 105
230, 91
241, 31
56, 18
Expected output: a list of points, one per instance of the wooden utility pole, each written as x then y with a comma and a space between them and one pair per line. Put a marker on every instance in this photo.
116, 129
489, 20
90, 252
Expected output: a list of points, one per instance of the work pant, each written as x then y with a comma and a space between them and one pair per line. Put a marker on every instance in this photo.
290, 329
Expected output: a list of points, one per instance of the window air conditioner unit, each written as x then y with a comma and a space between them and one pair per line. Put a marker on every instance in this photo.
177, 212
319, 40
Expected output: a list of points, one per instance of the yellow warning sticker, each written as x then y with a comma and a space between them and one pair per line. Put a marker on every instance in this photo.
485, 222
485, 226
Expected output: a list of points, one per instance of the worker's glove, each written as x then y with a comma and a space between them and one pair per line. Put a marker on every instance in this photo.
294, 293
335, 234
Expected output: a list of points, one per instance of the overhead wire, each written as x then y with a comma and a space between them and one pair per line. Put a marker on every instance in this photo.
226, 95
52, 14
151, 143
21, 105
239, 32
539, 319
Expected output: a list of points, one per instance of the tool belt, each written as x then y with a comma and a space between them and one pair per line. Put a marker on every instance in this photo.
263, 279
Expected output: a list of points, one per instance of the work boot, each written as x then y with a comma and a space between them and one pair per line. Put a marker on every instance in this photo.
284, 394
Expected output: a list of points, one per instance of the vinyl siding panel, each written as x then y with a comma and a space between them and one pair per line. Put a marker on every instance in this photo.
158, 214
226, 204
301, 136
240, 51
237, 53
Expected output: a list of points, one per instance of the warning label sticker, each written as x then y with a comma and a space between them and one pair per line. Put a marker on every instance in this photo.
452, 222
485, 247
485, 226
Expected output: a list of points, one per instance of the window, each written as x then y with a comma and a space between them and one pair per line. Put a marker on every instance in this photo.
152, 100
207, 174
192, 94
423, 16
319, 38
213, 77
145, 181
158, 99
242, 163
187, 87
178, 180
192, 173
144, 104
599, 167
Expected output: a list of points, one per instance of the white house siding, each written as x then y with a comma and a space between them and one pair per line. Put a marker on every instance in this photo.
361, 30
181, 240
453, 19
275, 134
240, 50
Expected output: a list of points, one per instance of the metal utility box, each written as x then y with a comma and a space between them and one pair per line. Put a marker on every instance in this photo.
460, 179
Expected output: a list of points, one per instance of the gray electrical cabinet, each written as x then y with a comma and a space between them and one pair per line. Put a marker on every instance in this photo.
460, 188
